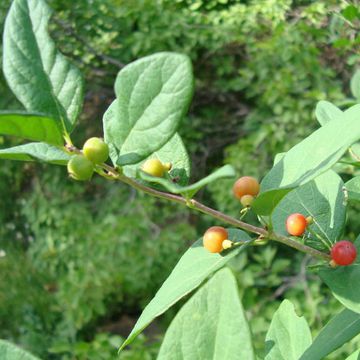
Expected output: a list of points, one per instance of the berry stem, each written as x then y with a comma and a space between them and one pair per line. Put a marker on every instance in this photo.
243, 212
226, 218
316, 235
194, 204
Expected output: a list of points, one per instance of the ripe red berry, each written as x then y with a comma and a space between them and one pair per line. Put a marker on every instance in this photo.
246, 185
343, 253
214, 237
296, 224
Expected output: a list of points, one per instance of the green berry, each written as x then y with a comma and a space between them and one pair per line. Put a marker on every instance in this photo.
246, 200
96, 150
80, 168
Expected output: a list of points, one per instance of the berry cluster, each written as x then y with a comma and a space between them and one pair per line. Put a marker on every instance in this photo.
342, 253
215, 238
245, 189
81, 166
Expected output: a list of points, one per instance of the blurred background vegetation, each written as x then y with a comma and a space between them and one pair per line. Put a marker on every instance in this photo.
77, 265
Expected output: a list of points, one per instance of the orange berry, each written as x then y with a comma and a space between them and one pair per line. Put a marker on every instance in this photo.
213, 238
296, 224
246, 185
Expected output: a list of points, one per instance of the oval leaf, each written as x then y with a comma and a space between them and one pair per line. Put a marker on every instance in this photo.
9, 351
353, 189
32, 127
40, 77
211, 325
152, 96
355, 84
308, 159
191, 270
344, 282
174, 152
36, 152
227, 171
354, 356
323, 199
288, 336
325, 111
338, 331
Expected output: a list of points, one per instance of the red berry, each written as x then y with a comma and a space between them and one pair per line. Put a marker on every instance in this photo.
214, 237
343, 253
296, 224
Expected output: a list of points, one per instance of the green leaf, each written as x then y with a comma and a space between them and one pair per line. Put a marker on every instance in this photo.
308, 159
41, 78
32, 127
325, 112
211, 325
353, 188
339, 330
350, 12
36, 151
152, 96
191, 270
354, 356
174, 152
323, 199
344, 281
288, 336
9, 351
278, 157
355, 152
227, 171
355, 84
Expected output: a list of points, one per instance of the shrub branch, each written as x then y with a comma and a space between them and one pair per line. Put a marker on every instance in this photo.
194, 204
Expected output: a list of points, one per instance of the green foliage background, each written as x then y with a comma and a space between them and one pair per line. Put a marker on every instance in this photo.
80, 262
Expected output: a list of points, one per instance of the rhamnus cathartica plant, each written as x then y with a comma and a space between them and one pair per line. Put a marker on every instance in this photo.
300, 202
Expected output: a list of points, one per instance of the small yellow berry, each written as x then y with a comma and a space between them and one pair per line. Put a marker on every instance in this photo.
227, 244
167, 166
153, 167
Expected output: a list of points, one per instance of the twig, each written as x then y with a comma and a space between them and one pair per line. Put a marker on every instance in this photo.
194, 204
69, 29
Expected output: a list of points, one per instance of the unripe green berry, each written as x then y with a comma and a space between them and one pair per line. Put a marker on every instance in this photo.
80, 168
246, 200
96, 150
153, 167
